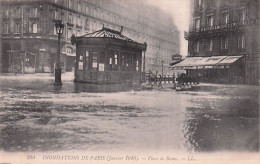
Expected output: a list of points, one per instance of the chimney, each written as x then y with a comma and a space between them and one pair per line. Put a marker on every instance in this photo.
121, 29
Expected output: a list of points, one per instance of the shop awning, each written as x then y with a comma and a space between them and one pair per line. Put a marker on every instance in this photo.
188, 62
229, 60
213, 62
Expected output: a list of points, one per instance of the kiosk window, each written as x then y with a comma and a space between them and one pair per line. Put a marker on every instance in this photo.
87, 60
80, 63
95, 61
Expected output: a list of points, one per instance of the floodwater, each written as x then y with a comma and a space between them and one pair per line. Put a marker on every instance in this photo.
37, 116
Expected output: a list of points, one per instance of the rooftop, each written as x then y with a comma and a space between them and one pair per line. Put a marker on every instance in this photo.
108, 33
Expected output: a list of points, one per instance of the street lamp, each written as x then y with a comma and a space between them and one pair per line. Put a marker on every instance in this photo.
59, 30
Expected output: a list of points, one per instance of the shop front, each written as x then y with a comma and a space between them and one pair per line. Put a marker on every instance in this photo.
21, 61
214, 69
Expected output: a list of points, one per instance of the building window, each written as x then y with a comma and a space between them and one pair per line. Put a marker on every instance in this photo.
87, 23
197, 46
70, 18
55, 16
18, 27
78, 21
225, 18
209, 45
80, 63
116, 59
95, 61
34, 12
94, 12
54, 30
224, 43
211, 3
87, 10
70, 5
110, 60
87, 60
17, 12
79, 7
123, 60
137, 65
69, 32
33, 27
6, 28
78, 32
197, 24
210, 20
198, 4
7, 12
69, 50
241, 42
242, 15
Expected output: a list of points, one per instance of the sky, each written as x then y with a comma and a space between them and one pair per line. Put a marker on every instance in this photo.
179, 10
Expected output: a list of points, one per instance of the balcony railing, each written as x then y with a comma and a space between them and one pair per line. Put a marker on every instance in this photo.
221, 28
29, 36
224, 26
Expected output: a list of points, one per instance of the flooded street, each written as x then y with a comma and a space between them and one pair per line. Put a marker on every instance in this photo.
37, 116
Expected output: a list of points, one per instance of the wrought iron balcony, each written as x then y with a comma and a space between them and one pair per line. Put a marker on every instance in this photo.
219, 30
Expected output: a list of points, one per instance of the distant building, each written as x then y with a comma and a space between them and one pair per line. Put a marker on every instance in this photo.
223, 41
29, 40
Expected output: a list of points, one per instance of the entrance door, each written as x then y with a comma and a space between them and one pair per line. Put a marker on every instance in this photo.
15, 63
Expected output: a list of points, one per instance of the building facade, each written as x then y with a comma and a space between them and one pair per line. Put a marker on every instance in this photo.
29, 40
226, 28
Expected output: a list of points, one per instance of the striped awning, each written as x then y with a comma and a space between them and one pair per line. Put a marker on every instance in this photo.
229, 60
213, 62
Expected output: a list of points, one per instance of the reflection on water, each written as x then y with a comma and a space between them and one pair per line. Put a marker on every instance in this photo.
224, 118
104, 88
20, 138
57, 88
35, 115
216, 134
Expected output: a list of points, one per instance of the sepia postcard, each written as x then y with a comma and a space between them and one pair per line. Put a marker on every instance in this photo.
129, 81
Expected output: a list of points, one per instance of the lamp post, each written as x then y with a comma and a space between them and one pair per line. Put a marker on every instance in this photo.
59, 30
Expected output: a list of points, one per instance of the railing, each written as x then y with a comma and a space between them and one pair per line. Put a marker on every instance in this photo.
159, 79
224, 26
221, 28
29, 35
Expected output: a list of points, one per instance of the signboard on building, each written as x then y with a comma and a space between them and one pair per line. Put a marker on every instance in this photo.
176, 57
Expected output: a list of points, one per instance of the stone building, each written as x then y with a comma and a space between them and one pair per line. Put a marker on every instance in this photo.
220, 30
29, 40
